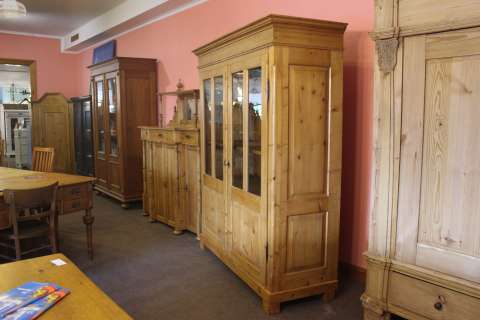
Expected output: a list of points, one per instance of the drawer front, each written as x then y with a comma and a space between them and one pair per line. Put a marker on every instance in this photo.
431, 301
162, 136
75, 205
74, 192
190, 138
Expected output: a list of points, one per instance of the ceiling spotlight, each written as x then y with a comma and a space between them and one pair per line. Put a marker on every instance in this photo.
12, 9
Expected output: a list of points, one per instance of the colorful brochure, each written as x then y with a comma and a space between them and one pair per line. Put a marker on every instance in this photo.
36, 308
23, 295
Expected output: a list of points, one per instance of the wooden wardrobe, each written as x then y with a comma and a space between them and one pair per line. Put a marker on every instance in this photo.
52, 126
171, 172
82, 123
271, 123
124, 98
424, 239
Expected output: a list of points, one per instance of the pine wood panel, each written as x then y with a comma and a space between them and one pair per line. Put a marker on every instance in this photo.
308, 130
411, 149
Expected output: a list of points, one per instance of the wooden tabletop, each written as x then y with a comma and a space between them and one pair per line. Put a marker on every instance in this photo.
85, 301
25, 179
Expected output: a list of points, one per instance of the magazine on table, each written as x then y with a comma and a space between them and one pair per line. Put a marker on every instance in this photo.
29, 300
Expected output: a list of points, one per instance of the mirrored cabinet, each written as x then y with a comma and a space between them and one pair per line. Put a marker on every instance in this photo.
271, 124
123, 98
171, 165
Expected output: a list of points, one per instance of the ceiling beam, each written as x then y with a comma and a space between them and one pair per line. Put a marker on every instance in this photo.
126, 17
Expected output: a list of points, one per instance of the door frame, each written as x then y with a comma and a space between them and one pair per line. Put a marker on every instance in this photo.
32, 65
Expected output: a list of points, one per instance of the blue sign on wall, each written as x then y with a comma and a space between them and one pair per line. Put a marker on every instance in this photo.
105, 52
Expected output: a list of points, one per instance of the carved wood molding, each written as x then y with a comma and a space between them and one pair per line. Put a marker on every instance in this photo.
387, 53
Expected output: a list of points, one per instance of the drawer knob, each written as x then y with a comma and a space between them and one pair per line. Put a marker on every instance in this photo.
439, 304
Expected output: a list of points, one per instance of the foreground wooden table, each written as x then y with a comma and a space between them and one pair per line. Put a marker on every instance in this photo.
85, 301
74, 194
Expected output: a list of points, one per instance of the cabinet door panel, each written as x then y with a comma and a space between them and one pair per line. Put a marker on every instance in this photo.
447, 237
247, 126
213, 214
191, 183
309, 185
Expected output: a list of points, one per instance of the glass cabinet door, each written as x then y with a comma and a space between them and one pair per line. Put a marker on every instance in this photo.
237, 129
246, 132
100, 115
112, 116
207, 118
213, 94
254, 130
218, 112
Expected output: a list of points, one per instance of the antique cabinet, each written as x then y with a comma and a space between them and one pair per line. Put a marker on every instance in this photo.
124, 98
171, 166
271, 124
423, 260
83, 135
52, 126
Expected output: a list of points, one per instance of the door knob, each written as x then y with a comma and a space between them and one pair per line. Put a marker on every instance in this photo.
226, 163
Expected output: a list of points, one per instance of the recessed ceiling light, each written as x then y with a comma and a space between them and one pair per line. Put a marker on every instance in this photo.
12, 9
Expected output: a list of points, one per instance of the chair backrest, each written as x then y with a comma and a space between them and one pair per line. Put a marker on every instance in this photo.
31, 204
42, 159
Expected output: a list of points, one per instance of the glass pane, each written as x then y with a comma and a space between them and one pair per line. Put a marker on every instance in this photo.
218, 100
100, 126
237, 129
254, 130
112, 115
207, 102
189, 108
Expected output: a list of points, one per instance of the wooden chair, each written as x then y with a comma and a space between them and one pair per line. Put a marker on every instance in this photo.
32, 215
42, 159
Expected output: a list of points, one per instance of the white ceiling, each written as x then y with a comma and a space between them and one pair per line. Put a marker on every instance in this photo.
57, 17
80, 24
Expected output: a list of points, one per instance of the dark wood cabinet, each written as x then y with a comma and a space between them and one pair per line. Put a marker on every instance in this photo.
83, 135
124, 98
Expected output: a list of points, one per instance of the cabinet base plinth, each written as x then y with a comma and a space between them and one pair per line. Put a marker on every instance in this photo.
270, 307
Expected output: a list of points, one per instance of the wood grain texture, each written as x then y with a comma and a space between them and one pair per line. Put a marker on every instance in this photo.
411, 152
85, 301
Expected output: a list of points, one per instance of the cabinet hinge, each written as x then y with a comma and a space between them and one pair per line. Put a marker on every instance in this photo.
266, 251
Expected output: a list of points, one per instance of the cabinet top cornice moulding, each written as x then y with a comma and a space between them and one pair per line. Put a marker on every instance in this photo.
274, 22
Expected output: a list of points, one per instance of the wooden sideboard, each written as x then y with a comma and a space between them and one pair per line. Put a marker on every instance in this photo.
74, 194
271, 123
172, 177
171, 165
423, 260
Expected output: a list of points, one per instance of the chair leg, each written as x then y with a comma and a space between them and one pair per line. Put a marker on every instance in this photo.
54, 234
18, 250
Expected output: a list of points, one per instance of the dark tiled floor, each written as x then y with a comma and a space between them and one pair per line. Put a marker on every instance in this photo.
154, 274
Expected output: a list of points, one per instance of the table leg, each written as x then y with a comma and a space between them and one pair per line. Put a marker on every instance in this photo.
88, 220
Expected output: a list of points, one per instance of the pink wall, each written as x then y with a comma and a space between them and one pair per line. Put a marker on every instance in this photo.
56, 72
172, 40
